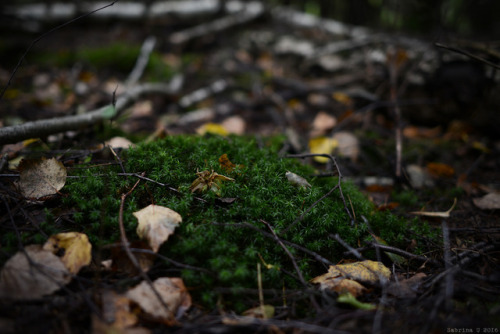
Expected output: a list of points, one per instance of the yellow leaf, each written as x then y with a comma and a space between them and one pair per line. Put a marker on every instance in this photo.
212, 128
322, 145
156, 224
342, 98
75, 247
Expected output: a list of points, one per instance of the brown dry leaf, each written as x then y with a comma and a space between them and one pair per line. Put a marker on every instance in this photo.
440, 169
339, 284
75, 247
156, 224
208, 181
120, 261
365, 271
489, 201
173, 293
116, 314
406, 288
40, 178
24, 279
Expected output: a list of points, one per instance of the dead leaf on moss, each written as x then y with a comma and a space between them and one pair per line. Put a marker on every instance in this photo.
43, 274
208, 181
297, 180
75, 248
156, 224
40, 178
489, 201
345, 278
172, 291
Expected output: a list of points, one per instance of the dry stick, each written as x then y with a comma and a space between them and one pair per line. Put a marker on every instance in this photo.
329, 156
131, 256
468, 54
286, 242
297, 269
43, 36
142, 61
393, 76
346, 245
12, 134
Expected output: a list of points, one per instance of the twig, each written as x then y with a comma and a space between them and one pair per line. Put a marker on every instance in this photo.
43, 36
286, 242
393, 76
346, 245
297, 269
329, 156
202, 93
12, 134
142, 61
125, 244
250, 12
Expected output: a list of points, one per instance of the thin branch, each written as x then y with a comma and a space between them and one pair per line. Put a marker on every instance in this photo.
43, 36
142, 61
41, 128
468, 54
132, 258
297, 269
334, 161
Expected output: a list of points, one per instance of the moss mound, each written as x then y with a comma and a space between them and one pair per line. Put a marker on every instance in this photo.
228, 237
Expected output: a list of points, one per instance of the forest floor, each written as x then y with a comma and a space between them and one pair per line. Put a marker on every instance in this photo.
265, 78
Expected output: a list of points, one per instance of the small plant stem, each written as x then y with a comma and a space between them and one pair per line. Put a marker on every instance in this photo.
133, 260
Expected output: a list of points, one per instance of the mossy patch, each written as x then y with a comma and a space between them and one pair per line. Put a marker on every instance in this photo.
229, 239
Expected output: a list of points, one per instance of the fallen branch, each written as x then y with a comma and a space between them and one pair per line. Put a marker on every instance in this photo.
41, 128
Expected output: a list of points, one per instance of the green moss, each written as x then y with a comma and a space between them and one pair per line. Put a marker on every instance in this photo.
219, 237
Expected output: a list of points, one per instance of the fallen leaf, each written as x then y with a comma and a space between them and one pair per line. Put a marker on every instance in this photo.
339, 285
489, 201
260, 312
342, 98
367, 271
173, 293
121, 262
297, 180
234, 124
119, 142
438, 169
347, 145
322, 123
40, 178
406, 288
226, 164
43, 274
212, 128
75, 247
156, 224
116, 313
322, 145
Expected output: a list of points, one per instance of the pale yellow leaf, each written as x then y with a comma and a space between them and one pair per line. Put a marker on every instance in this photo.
489, 201
156, 224
212, 128
261, 312
76, 248
297, 180
41, 275
173, 293
322, 145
